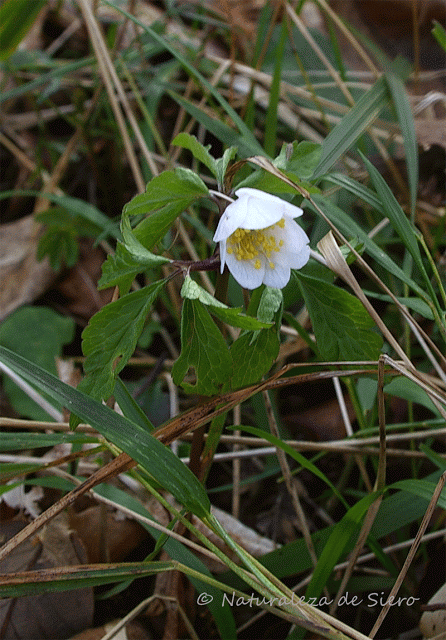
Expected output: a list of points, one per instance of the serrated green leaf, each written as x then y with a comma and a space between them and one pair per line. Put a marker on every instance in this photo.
203, 348
39, 334
343, 328
120, 269
253, 357
158, 460
233, 317
166, 196
199, 151
137, 250
60, 246
193, 291
110, 339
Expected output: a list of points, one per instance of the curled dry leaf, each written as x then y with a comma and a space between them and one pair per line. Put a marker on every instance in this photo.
22, 277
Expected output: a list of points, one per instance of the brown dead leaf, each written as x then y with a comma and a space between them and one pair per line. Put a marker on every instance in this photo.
431, 132
22, 277
48, 615
120, 536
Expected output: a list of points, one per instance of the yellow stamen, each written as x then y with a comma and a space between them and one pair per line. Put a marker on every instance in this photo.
247, 244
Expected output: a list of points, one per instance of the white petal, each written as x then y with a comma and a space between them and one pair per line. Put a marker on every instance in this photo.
277, 277
295, 251
228, 223
244, 272
222, 255
288, 209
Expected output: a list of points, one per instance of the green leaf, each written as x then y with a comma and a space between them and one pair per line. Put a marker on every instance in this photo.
75, 207
302, 460
221, 164
417, 305
167, 195
60, 245
158, 460
253, 357
407, 125
246, 144
274, 93
270, 303
203, 348
220, 610
39, 334
233, 317
395, 213
129, 407
352, 125
439, 34
422, 488
343, 328
145, 257
110, 339
350, 228
120, 269
301, 158
403, 387
19, 441
16, 19
199, 151
244, 133
343, 533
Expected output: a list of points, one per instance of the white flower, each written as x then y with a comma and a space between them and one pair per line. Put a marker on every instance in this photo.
259, 240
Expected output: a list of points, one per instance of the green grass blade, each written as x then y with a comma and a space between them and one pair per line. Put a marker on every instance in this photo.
177, 551
16, 19
246, 134
399, 221
407, 124
302, 460
352, 125
439, 34
274, 96
159, 461
77, 577
75, 206
351, 229
246, 145
343, 533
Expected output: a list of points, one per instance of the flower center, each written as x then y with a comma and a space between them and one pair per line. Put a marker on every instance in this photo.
249, 244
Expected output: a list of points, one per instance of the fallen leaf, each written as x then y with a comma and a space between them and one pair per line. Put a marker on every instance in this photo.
48, 615
22, 277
